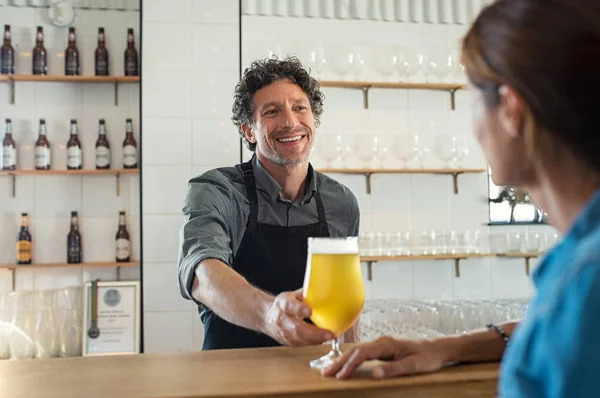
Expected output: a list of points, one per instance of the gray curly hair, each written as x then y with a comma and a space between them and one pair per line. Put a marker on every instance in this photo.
262, 73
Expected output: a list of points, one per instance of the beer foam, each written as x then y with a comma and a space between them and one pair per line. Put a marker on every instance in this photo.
347, 245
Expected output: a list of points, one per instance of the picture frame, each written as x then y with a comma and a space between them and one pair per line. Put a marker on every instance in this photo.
117, 321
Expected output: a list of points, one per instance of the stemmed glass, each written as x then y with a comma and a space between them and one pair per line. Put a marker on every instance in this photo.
450, 149
369, 148
334, 147
333, 288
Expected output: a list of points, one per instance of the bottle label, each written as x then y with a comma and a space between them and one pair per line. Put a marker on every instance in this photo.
7, 62
24, 251
102, 156
101, 65
131, 65
129, 155
72, 65
40, 66
9, 156
42, 156
123, 251
74, 158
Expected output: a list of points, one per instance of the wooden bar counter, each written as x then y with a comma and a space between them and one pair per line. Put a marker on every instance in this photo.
270, 372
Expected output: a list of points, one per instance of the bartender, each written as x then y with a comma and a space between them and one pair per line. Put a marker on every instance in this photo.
243, 247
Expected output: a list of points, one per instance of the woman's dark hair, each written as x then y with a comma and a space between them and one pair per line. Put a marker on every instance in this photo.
265, 72
548, 51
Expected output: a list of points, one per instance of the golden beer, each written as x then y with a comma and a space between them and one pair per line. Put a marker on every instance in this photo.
335, 291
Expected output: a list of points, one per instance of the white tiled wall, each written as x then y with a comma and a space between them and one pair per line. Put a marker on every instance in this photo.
186, 109
190, 68
50, 199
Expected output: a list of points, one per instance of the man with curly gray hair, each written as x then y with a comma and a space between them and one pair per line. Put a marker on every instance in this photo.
243, 247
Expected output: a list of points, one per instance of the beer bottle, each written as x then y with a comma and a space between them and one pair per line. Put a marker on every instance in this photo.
101, 56
40, 55
24, 246
9, 148
102, 148
74, 154
131, 55
129, 147
74, 241
123, 251
42, 149
7, 54
72, 61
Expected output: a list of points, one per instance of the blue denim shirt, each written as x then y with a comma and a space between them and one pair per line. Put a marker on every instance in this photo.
555, 351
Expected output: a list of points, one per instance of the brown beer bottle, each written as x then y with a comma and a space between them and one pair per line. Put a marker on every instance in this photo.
131, 55
129, 147
74, 241
74, 154
7, 54
101, 56
102, 147
72, 61
9, 148
24, 245
40, 55
42, 149
123, 250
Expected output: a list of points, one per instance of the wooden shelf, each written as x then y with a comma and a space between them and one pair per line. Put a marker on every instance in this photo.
13, 268
90, 172
456, 257
366, 86
116, 80
75, 79
369, 172
66, 265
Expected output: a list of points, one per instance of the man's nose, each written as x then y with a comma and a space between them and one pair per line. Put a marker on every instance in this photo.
289, 119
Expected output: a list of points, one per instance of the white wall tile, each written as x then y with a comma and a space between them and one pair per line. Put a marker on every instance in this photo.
214, 47
474, 281
103, 273
134, 237
65, 192
161, 237
177, 38
223, 11
212, 93
98, 238
164, 188
50, 239
391, 192
9, 227
165, 11
167, 142
23, 200
167, 331
99, 197
167, 94
393, 280
197, 331
433, 279
56, 278
24, 280
161, 288
391, 221
215, 141
509, 279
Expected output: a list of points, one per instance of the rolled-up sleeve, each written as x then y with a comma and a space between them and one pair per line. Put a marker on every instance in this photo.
205, 233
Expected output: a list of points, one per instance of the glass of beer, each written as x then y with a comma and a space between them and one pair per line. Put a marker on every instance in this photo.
333, 288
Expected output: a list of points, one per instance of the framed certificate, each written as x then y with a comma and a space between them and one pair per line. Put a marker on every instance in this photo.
111, 318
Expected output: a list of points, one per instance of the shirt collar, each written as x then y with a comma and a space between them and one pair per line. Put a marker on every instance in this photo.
266, 183
587, 222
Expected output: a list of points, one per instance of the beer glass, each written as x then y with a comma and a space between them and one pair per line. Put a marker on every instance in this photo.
333, 288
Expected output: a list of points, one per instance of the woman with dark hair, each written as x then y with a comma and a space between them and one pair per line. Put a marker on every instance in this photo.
534, 71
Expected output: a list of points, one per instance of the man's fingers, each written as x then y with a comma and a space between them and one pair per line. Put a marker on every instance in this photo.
405, 366
293, 306
306, 333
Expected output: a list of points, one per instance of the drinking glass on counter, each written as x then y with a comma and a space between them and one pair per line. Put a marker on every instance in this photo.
333, 288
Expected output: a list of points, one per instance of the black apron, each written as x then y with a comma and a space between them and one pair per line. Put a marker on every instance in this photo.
270, 257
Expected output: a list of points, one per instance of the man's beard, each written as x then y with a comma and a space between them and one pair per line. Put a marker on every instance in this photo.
282, 160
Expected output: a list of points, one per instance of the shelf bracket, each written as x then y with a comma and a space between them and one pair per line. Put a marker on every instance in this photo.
118, 272
455, 181
118, 182
527, 265
365, 91
368, 177
13, 181
457, 267
13, 279
116, 94
11, 91
453, 98
370, 270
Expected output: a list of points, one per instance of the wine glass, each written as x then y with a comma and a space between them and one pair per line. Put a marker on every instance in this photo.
450, 149
333, 288
334, 147
341, 59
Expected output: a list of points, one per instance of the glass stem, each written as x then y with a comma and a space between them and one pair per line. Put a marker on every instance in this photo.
335, 346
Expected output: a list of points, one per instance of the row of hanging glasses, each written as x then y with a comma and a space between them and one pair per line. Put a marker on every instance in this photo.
416, 319
41, 324
522, 242
372, 149
336, 61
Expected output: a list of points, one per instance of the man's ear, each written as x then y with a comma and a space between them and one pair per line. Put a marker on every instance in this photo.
247, 130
